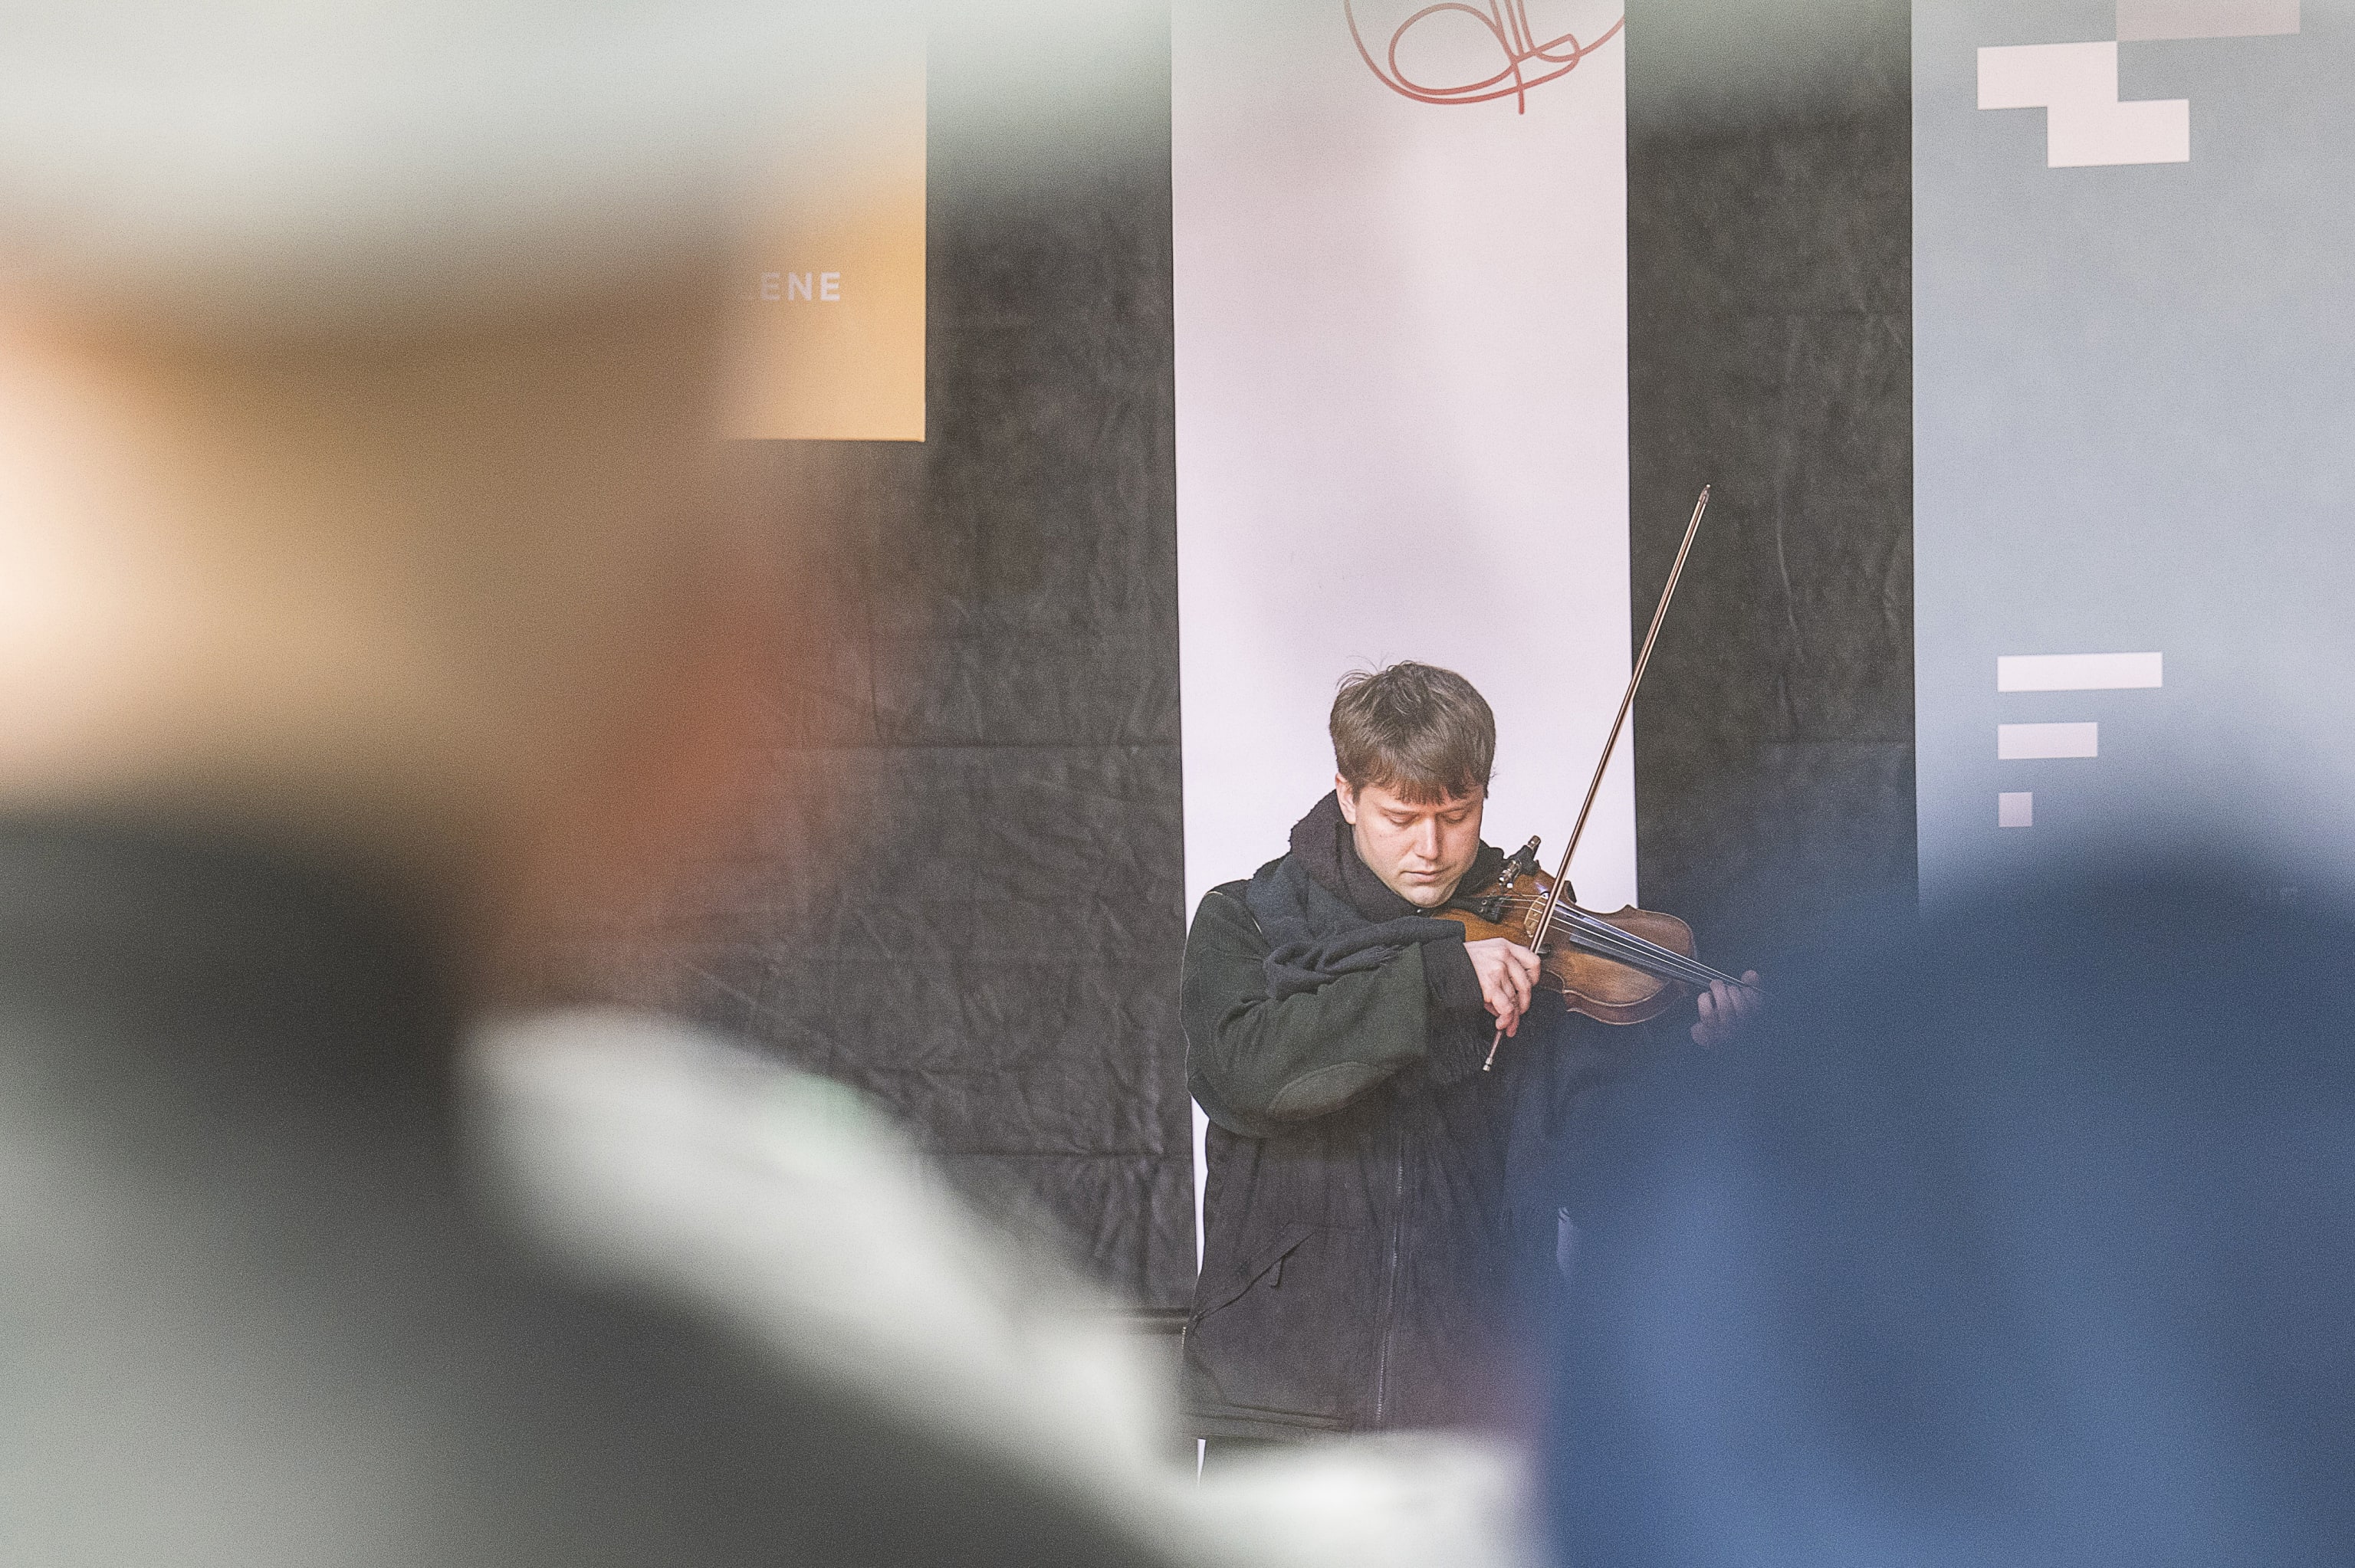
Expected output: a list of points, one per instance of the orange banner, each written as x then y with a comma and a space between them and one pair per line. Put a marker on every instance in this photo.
831, 303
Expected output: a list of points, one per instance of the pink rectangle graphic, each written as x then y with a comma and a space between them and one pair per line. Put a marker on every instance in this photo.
2078, 672
2036, 742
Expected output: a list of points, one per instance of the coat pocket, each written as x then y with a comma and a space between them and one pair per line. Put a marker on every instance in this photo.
1292, 1329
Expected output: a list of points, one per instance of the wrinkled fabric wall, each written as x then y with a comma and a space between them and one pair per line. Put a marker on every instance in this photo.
1770, 351
960, 887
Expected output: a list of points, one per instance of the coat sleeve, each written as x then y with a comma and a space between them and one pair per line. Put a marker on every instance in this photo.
1253, 1063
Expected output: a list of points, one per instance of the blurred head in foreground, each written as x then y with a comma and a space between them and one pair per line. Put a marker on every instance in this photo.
363, 598
357, 404
2018, 1238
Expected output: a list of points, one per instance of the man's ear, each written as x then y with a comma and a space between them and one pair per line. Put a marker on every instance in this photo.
1349, 799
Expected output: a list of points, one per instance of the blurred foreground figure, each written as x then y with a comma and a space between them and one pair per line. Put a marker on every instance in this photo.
363, 602
661, 1159
2022, 1237
360, 601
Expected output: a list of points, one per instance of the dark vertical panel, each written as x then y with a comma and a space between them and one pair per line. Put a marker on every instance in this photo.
1770, 353
962, 887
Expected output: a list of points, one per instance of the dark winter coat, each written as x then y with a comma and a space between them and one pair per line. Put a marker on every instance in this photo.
1369, 1213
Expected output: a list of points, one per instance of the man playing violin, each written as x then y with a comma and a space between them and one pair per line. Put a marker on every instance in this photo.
1369, 1212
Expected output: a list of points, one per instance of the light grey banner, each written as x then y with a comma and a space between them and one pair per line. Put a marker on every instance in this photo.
2135, 432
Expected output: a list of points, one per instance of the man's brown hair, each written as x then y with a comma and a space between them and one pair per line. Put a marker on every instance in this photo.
1417, 730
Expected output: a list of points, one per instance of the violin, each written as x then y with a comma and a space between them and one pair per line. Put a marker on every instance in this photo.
1624, 967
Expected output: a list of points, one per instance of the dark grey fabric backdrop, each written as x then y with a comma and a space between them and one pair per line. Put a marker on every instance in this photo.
1769, 352
962, 887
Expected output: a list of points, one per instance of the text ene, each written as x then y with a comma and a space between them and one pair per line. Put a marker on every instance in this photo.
788, 286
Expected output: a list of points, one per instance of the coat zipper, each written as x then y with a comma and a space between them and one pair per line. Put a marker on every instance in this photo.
1389, 1286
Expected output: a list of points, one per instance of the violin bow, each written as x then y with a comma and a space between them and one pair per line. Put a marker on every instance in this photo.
1611, 743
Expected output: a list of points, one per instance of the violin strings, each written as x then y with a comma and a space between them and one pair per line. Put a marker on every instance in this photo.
1642, 954
1611, 942
1599, 935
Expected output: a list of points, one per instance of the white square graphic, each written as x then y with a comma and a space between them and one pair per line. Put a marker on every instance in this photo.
2076, 85
2016, 808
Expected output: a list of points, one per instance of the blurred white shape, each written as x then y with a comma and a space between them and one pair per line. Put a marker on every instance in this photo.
2140, 19
262, 166
2029, 742
650, 1151
656, 1157
2015, 809
2076, 85
2077, 672
1446, 1501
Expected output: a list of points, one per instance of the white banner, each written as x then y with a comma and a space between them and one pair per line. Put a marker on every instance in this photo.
1401, 330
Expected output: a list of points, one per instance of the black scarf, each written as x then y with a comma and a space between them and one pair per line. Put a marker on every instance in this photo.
1327, 915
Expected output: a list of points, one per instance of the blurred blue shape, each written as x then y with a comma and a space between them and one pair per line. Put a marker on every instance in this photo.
2017, 1235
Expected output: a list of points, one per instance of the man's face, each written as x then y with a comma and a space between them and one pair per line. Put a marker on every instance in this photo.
1421, 852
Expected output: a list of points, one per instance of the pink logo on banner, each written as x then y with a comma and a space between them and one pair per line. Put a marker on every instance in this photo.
1504, 31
